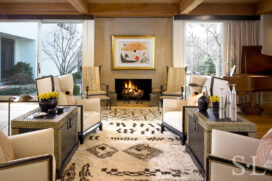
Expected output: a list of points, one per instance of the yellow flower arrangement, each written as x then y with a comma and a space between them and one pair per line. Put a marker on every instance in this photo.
48, 95
215, 98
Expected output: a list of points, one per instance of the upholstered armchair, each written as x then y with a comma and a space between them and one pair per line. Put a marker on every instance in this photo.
174, 88
89, 118
34, 157
228, 146
172, 117
174, 109
91, 83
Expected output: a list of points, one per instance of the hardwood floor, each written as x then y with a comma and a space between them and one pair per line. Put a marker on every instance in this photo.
263, 122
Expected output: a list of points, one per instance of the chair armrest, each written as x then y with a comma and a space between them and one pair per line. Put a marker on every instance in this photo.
163, 88
30, 169
33, 143
223, 169
92, 104
107, 88
173, 104
228, 145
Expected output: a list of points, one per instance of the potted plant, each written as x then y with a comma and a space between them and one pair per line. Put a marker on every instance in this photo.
48, 100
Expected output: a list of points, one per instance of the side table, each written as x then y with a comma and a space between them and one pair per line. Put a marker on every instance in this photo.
65, 131
199, 130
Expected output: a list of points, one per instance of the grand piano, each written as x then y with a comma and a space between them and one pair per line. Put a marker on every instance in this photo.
255, 76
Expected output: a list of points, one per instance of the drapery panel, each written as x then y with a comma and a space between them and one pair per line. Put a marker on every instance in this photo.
237, 35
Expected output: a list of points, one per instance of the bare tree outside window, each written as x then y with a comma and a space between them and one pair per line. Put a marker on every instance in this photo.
62, 50
63, 46
204, 48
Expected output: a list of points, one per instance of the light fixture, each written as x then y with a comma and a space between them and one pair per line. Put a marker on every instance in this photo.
21, 98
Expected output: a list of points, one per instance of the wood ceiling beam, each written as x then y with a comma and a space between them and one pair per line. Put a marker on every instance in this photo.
133, 9
264, 7
37, 9
186, 6
224, 9
80, 5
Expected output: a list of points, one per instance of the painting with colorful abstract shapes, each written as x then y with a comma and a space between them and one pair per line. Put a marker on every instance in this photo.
133, 52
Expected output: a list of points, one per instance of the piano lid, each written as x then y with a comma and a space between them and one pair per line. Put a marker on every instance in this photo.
254, 62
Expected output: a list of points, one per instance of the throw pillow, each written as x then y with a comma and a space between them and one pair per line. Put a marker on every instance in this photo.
199, 80
263, 155
6, 150
268, 163
66, 83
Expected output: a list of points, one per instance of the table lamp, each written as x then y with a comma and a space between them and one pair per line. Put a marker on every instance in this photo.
21, 98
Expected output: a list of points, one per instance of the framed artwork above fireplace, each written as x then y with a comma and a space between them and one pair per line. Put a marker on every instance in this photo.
133, 52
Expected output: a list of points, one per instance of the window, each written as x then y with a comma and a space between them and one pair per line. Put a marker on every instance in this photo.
18, 68
204, 48
62, 51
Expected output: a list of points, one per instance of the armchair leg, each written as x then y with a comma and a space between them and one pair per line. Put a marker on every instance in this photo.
162, 128
81, 138
101, 127
183, 139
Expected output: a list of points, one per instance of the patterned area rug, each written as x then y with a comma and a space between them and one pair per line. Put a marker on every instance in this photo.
131, 148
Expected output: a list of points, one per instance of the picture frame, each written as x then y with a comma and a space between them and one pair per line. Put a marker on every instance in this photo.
133, 52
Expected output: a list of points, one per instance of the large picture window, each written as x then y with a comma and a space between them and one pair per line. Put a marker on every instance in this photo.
62, 50
58, 43
18, 57
204, 48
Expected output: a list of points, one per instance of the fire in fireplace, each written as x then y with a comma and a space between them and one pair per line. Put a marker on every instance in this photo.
133, 89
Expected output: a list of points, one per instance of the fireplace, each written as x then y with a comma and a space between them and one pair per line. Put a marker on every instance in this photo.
133, 89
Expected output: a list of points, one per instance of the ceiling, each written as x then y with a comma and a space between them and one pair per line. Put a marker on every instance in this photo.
135, 8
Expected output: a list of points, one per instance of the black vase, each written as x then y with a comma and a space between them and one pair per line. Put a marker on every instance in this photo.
203, 103
46, 105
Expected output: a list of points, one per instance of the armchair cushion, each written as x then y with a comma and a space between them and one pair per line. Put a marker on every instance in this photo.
6, 150
62, 100
264, 150
89, 104
90, 118
33, 143
228, 145
173, 119
172, 93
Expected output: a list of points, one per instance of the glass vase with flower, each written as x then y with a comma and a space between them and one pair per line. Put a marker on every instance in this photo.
215, 102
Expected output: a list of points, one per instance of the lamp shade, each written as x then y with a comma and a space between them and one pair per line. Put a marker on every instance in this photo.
266, 23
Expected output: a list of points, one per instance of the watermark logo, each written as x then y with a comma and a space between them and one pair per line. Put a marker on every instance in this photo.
242, 168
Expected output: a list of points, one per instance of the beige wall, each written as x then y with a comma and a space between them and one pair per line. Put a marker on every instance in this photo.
160, 27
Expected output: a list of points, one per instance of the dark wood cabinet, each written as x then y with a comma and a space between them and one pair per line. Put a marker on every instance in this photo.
68, 136
196, 142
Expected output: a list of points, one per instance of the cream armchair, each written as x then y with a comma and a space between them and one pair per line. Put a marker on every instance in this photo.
34, 157
227, 146
172, 118
89, 118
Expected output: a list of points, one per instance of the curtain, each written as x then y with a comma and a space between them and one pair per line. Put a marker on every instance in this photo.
88, 43
238, 34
